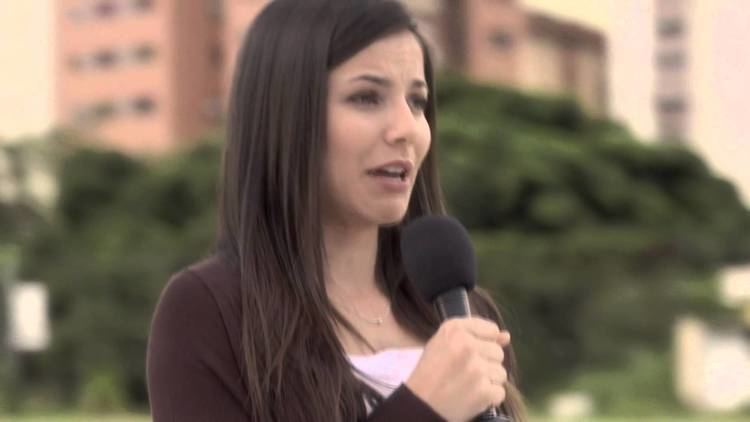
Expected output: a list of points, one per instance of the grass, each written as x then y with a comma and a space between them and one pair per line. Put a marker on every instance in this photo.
146, 418
76, 418
707, 418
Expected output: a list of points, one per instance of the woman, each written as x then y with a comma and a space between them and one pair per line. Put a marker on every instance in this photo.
305, 303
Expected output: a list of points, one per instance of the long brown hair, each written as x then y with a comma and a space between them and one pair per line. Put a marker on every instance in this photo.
270, 212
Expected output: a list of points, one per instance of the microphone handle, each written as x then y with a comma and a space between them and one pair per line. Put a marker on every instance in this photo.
455, 304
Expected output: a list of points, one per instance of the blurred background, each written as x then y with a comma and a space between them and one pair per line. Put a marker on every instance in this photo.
596, 149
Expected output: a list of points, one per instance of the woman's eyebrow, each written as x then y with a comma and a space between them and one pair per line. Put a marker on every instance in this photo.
385, 82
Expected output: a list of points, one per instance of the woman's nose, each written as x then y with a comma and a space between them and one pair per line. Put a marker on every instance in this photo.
402, 123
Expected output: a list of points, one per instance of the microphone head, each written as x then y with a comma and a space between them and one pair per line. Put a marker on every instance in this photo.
438, 255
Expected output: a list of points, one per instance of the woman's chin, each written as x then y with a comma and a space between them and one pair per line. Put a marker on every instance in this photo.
391, 215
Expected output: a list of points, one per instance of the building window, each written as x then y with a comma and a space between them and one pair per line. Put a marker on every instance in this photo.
103, 110
672, 129
77, 15
671, 60
672, 105
143, 53
501, 40
105, 58
76, 62
670, 27
142, 5
105, 9
82, 115
143, 105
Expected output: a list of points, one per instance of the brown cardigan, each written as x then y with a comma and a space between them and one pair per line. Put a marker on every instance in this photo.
194, 355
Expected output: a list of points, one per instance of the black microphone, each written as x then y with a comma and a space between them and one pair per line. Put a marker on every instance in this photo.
439, 259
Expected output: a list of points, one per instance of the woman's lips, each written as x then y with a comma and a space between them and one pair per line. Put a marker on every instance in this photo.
399, 184
393, 176
404, 167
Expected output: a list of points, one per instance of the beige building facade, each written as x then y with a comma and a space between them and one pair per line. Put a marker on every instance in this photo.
678, 73
568, 58
715, 69
502, 42
631, 76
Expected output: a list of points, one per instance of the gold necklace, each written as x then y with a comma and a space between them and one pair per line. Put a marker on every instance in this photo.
378, 320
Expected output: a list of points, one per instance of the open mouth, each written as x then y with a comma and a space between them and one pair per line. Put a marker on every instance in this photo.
392, 172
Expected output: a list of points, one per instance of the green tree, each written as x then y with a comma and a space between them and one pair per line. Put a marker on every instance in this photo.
591, 241
122, 227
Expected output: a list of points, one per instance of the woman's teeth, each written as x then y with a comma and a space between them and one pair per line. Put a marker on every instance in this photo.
390, 172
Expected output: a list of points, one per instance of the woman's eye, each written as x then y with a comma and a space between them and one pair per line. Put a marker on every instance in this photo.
365, 98
419, 102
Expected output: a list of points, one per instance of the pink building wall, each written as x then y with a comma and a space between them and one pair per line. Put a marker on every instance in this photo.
495, 34
238, 17
147, 105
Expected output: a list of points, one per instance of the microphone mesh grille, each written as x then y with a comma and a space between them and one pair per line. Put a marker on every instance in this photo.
438, 255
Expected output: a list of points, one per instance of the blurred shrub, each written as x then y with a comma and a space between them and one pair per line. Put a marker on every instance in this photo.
26, 168
102, 393
641, 386
41, 399
121, 228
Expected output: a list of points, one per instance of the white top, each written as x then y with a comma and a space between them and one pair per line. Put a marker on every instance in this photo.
386, 370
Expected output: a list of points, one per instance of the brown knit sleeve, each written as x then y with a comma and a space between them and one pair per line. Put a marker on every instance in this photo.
191, 371
404, 406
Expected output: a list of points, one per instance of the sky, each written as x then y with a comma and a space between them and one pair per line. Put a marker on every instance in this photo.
26, 85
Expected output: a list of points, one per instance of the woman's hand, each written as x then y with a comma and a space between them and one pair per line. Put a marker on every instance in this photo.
461, 371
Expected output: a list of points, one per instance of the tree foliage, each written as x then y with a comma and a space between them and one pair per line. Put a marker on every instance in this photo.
122, 227
591, 241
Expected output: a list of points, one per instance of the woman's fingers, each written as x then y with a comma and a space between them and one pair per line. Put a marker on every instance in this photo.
487, 330
482, 329
461, 371
490, 351
504, 339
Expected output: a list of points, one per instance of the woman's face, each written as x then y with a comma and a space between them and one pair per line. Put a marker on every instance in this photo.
378, 134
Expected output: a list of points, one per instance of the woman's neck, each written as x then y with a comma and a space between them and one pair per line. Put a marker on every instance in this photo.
351, 285
350, 259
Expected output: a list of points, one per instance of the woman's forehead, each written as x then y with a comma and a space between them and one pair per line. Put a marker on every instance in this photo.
398, 57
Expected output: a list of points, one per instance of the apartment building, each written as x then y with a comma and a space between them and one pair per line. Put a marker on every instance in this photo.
141, 76
671, 95
700, 92
147, 76
501, 42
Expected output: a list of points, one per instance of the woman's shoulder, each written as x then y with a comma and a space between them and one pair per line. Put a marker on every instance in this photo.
218, 276
194, 354
211, 279
202, 297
